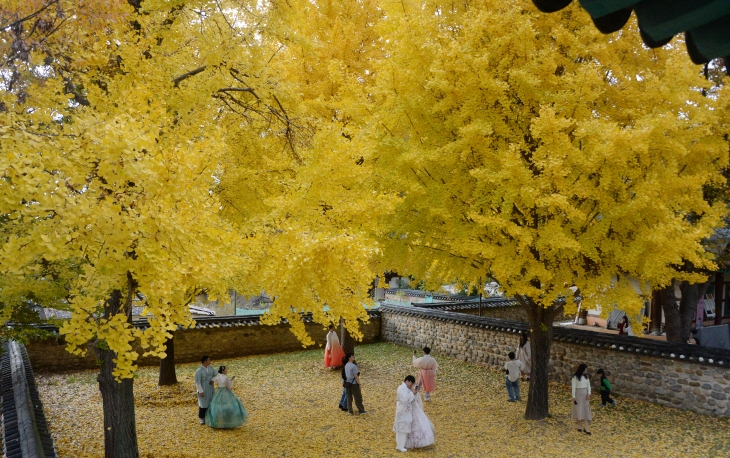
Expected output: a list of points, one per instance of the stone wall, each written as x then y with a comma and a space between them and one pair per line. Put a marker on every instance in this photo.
635, 368
217, 340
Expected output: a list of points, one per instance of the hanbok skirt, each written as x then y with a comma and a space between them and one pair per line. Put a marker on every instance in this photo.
581, 408
333, 356
422, 430
225, 410
428, 380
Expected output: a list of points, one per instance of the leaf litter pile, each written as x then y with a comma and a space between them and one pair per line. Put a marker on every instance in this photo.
292, 403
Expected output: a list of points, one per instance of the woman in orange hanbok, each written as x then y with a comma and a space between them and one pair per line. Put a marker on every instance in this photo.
333, 352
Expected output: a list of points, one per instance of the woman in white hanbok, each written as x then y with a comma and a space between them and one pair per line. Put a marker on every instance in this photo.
422, 431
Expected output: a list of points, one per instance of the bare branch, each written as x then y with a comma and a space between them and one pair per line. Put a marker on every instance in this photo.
187, 75
30, 16
239, 89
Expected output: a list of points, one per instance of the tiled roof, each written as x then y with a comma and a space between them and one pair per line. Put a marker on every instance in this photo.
203, 322
614, 342
705, 23
470, 304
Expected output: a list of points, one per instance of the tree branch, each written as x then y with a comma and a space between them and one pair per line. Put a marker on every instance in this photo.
187, 75
30, 16
240, 89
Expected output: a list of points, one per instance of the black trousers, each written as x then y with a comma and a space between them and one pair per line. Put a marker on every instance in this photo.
354, 392
201, 412
605, 397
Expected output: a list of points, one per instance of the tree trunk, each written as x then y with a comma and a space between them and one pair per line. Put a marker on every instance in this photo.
671, 313
120, 433
541, 336
691, 295
346, 340
167, 364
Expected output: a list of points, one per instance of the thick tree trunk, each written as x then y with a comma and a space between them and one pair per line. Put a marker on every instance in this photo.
671, 313
346, 340
120, 433
691, 295
167, 365
541, 336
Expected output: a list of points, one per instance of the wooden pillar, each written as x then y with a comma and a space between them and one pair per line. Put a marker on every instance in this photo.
719, 296
655, 314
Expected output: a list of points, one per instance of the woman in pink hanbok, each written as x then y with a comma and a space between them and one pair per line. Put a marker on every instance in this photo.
427, 367
333, 352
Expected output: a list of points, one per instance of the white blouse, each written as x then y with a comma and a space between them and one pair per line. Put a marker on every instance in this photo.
223, 381
582, 383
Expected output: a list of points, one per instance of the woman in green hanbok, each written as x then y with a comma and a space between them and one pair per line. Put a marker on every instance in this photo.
225, 410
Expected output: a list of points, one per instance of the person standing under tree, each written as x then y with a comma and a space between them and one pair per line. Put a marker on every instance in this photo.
352, 384
524, 354
225, 409
512, 369
204, 385
427, 367
333, 352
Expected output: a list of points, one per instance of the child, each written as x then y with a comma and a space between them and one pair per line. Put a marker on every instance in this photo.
605, 389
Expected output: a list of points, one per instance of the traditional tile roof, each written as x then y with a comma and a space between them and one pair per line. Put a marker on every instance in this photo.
614, 342
469, 304
705, 23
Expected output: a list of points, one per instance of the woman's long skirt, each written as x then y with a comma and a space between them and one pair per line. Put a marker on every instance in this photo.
225, 410
582, 408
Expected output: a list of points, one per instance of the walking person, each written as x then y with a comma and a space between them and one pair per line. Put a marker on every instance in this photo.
352, 385
512, 370
204, 386
427, 367
225, 409
581, 389
405, 396
333, 352
605, 390
524, 354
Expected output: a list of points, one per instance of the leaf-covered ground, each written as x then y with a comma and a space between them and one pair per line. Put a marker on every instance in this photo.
292, 404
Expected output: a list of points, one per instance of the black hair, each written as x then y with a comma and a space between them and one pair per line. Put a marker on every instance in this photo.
345, 359
625, 319
427, 350
332, 326
511, 355
523, 339
204, 359
410, 378
221, 369
600, 371
580, 373
348, 356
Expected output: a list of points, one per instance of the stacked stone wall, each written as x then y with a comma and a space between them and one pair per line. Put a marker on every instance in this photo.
668, 381
220, 342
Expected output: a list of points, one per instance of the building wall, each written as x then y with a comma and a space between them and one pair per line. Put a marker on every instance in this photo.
701, 388
219, 342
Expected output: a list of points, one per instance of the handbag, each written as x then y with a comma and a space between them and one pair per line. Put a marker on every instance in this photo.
346, 385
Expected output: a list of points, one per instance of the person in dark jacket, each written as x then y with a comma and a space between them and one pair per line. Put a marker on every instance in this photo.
343, 399
605, 389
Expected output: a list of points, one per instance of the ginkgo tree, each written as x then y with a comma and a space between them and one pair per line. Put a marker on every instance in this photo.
128, 133
534, 150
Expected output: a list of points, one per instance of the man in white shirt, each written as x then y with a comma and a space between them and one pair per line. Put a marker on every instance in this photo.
512, 368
